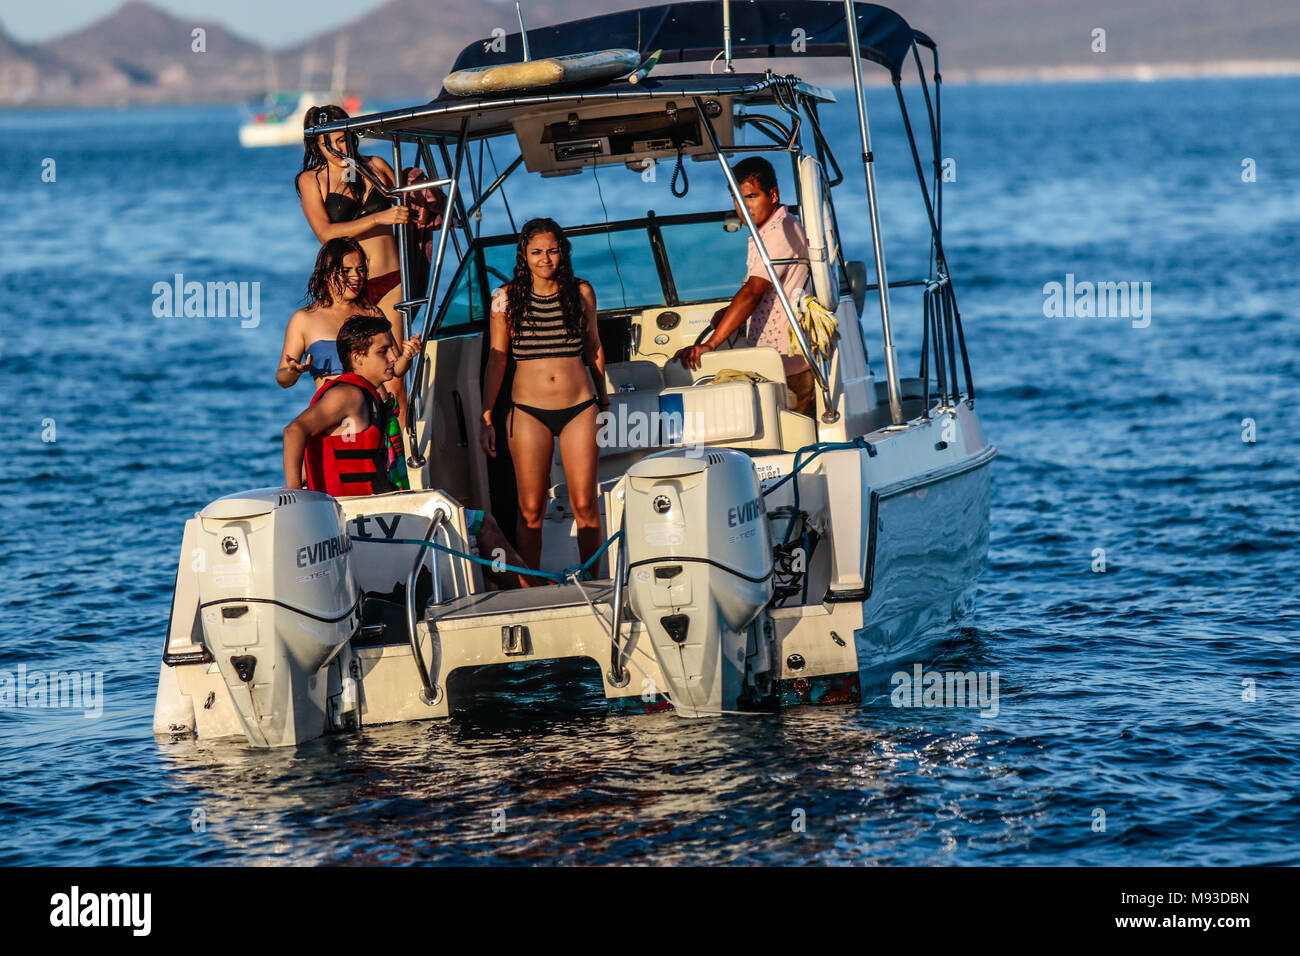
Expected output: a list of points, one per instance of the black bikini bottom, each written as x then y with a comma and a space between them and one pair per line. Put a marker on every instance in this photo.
553, 418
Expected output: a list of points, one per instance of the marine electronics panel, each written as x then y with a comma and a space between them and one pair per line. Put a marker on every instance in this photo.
620, 133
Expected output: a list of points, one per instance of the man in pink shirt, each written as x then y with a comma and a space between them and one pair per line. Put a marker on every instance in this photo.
757, 301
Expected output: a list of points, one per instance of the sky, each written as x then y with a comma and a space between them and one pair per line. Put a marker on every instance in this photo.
275, 22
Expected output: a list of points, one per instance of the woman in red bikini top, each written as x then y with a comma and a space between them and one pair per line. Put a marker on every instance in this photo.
545, 319
339, 201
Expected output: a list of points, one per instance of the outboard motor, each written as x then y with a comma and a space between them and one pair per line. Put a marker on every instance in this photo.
700, 572
277, 601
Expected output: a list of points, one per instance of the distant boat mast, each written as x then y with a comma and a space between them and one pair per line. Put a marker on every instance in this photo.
339, 77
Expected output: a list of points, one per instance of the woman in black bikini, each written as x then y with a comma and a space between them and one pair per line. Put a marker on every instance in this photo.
545, 319
339, 201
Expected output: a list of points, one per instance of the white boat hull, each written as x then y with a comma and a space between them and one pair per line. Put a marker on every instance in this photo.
908, 539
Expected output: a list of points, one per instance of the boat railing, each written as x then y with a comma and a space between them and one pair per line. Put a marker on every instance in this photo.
618, 675
943, 345
392, 192
437, 524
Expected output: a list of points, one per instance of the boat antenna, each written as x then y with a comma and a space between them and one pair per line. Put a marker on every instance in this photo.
726, 36
595, 172
523, 30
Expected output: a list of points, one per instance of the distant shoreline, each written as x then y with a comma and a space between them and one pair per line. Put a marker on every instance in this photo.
1140, 72
981, 76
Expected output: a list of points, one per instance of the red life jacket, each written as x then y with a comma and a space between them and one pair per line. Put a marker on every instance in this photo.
351, 464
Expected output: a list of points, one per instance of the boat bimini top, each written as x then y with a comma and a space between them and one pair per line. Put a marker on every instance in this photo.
563, 130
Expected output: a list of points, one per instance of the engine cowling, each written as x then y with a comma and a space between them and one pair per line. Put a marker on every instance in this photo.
700, 570
278, 600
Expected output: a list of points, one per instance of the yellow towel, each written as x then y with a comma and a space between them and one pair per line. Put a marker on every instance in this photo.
739, 375
819, 324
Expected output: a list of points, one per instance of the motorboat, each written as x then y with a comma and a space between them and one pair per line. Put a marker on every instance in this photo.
277, 120
757, 558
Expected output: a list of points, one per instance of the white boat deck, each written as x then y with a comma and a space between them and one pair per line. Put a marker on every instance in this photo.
536, 603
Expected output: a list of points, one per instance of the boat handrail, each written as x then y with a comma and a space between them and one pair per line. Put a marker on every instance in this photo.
496, 184
378, 124
429, 693
431, 288
618, 675
942, 333
389, 191
825, 155
764, 122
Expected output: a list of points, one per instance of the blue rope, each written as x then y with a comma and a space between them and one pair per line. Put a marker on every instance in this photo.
583, 570
816, 448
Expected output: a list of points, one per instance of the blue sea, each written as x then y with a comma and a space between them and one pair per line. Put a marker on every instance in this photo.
1140, 603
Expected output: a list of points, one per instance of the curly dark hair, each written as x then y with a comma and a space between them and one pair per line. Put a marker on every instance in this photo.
329, 263
521, 286
313, 156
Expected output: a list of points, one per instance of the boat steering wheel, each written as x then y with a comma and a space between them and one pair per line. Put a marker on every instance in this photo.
708, 330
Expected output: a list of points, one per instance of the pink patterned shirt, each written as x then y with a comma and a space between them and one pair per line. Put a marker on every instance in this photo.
783, 237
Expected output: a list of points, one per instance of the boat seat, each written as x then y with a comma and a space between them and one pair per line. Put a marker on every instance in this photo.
642, 421
766, 361
744, 414
708, 413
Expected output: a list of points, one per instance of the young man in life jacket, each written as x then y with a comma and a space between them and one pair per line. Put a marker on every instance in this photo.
347, 436
348, 442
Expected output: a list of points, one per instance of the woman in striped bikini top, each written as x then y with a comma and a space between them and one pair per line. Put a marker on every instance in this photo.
542, 333
545, 319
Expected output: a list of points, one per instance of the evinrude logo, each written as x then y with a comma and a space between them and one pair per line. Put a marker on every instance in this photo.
744, 514
324, 550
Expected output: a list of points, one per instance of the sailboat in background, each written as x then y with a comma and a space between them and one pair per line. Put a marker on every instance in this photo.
278, 119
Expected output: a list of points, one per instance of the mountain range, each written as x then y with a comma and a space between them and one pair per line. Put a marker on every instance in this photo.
403, 48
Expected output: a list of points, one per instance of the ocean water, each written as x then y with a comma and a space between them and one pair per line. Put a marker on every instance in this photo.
1157, 697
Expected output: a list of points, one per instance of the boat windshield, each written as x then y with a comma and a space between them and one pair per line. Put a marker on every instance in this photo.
634, 264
